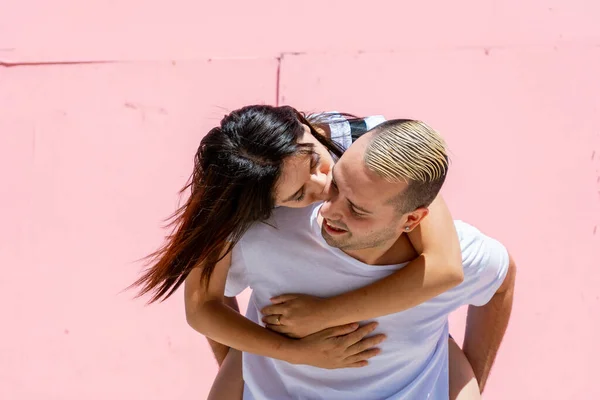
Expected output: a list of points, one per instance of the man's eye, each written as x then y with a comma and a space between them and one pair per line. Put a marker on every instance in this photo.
356, 213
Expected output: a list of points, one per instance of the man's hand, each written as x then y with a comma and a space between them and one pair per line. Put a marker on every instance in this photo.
340, 347
297, 315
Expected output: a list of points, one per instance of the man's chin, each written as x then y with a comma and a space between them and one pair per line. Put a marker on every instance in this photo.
331, 241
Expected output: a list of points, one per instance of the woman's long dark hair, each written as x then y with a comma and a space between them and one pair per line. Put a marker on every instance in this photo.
236, 169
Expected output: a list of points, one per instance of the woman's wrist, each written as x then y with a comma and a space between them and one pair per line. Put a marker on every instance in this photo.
333, 312
290, 351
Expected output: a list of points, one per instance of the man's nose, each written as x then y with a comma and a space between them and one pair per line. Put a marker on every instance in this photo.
330, 208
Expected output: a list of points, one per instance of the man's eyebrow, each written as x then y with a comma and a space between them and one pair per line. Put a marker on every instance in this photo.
359, 208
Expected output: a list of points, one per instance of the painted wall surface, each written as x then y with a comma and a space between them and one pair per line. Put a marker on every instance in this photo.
103, 104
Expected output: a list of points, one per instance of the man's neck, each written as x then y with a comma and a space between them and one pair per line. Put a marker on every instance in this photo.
388, 253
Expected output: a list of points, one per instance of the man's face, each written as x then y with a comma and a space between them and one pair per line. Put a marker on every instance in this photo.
359, 214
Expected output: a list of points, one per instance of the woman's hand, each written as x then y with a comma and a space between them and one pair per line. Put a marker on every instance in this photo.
339, 347
297, 315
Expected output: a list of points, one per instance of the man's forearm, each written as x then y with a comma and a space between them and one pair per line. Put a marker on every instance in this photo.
486, 326
220, 350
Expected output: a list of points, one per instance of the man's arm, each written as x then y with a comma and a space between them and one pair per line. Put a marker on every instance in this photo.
486, 326
220, 350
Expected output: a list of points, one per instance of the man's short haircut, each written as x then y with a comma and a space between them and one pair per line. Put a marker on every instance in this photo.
409, 151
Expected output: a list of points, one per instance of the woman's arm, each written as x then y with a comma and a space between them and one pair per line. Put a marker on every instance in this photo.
219, 350
207, 313
437, 269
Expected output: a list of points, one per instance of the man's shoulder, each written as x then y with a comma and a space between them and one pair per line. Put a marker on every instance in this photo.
468, 234
477, 247
485, 265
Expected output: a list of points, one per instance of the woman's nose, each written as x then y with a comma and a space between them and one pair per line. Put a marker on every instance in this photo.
319, 183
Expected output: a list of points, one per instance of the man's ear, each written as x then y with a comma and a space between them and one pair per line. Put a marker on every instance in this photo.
414, 218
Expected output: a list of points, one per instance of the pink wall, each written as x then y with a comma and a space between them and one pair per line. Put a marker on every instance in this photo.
103, 105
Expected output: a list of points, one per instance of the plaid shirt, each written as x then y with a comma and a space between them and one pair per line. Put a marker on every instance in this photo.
345, 129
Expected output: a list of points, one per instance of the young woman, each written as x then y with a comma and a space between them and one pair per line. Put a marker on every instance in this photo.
261, 157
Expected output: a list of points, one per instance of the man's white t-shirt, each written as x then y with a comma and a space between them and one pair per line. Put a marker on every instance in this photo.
289, 255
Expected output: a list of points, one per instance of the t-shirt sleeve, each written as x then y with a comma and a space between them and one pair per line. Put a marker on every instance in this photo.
237, 278
485, 263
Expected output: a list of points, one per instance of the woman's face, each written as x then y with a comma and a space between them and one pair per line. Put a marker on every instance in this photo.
306, 177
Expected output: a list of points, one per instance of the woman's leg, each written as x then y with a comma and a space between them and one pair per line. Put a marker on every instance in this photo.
463, 384
229, 384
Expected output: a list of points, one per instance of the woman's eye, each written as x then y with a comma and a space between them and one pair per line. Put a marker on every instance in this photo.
301, 197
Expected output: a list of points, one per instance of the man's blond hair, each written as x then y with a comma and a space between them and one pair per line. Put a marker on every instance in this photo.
409, 151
